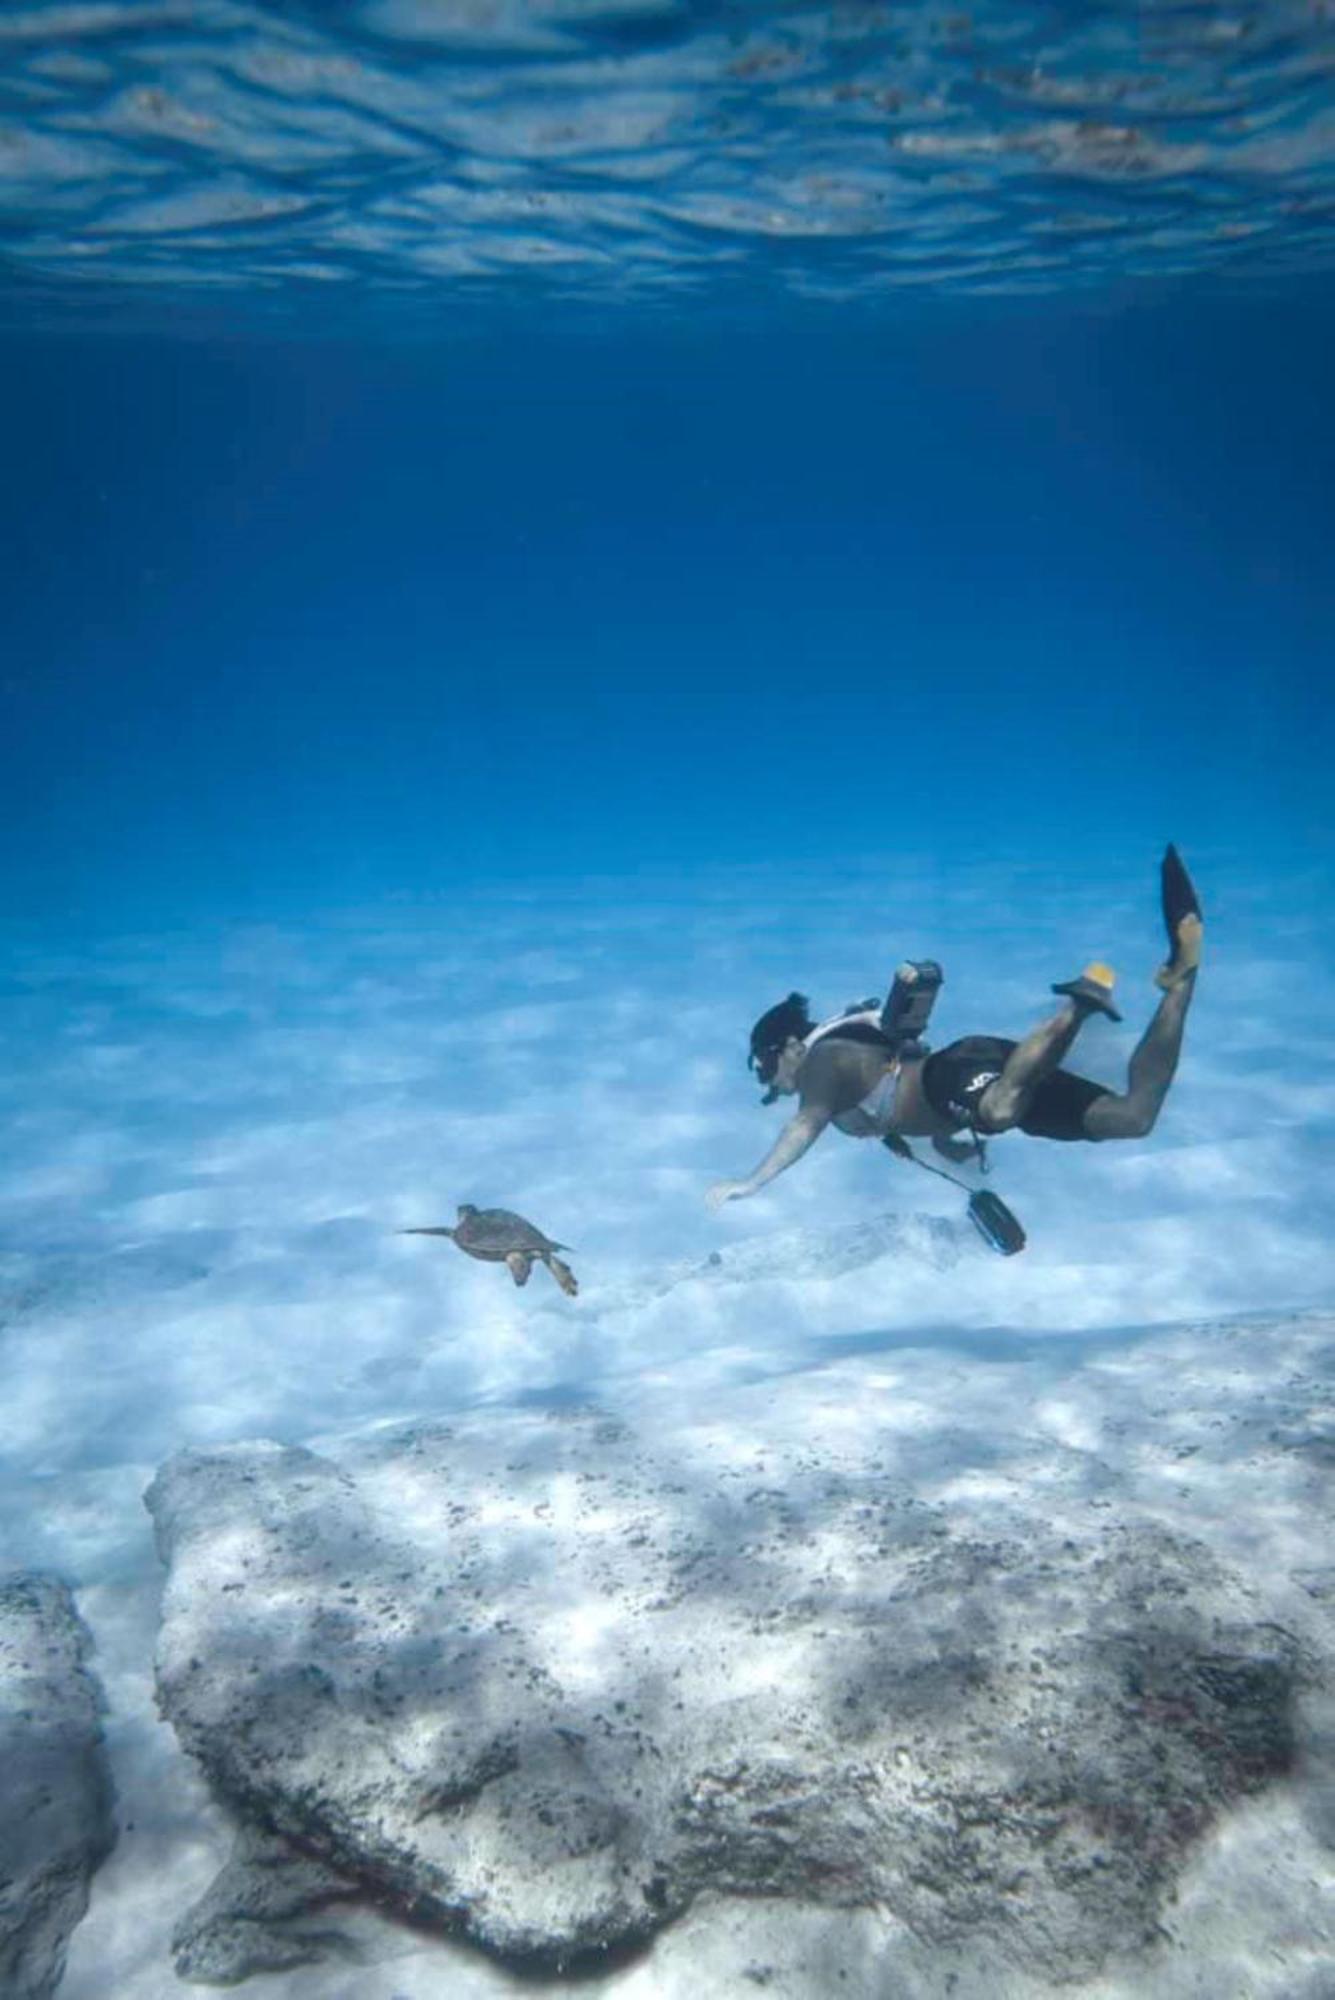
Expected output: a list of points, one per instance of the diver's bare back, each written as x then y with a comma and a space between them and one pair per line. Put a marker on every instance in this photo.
837, 1076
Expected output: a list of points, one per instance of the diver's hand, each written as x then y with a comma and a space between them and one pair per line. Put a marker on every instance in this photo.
958, 1150
727, 1191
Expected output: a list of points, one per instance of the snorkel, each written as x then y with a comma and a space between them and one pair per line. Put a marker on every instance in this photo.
765, 1063
790, 1020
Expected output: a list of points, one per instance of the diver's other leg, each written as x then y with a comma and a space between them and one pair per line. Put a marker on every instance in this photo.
1006, 1098
1152, 1069
520, 1266
563, 1275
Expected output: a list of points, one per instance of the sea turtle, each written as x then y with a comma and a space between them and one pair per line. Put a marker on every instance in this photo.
499, 1236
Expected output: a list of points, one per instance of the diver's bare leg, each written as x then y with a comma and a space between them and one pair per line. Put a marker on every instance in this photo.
1007, 1098
1151, 1071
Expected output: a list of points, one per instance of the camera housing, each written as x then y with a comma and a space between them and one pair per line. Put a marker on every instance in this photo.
909, 1004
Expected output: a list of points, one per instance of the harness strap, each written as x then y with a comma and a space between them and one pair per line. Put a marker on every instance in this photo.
902, 1150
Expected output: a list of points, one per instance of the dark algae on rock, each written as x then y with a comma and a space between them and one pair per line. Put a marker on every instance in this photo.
533, 1683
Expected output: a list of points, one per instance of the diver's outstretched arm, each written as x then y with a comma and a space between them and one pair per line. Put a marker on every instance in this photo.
797, 1137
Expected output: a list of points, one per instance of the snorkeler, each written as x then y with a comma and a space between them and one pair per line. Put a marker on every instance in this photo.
869, 1084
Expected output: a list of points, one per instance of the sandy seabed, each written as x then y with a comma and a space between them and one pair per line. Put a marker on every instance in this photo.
1218, 1435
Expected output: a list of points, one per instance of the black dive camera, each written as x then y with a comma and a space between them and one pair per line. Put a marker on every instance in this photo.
909, 1006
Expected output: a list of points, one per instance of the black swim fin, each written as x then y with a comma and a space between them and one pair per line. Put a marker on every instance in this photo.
1093, 987
1179, 900
995, 1223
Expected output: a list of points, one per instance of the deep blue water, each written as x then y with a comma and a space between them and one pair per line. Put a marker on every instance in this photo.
453, 444
291, 624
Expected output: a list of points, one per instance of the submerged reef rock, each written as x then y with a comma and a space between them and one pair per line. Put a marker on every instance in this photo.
55, 1793
540, 1682
270, 1909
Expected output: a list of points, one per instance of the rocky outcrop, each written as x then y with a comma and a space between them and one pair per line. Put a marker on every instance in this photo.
55, 1792
537, 1682
271, 1909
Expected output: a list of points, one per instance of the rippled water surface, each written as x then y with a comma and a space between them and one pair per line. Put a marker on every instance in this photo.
652, 150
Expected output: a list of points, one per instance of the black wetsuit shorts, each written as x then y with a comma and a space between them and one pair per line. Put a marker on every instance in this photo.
954, 1078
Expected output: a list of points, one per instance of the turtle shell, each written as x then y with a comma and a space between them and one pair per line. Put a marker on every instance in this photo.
497, 1231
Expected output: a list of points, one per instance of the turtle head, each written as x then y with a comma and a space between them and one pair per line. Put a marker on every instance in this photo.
466, 1208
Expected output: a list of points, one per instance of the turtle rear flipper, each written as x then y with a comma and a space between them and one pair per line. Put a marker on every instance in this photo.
563, 1275
520, 1265
1182, 921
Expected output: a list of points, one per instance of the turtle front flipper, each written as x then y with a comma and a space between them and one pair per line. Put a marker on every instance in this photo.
520, 1264
563, 1275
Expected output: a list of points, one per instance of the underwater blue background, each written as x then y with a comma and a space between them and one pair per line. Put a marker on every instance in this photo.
529, 531
532, 530
293, 622
428, 756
